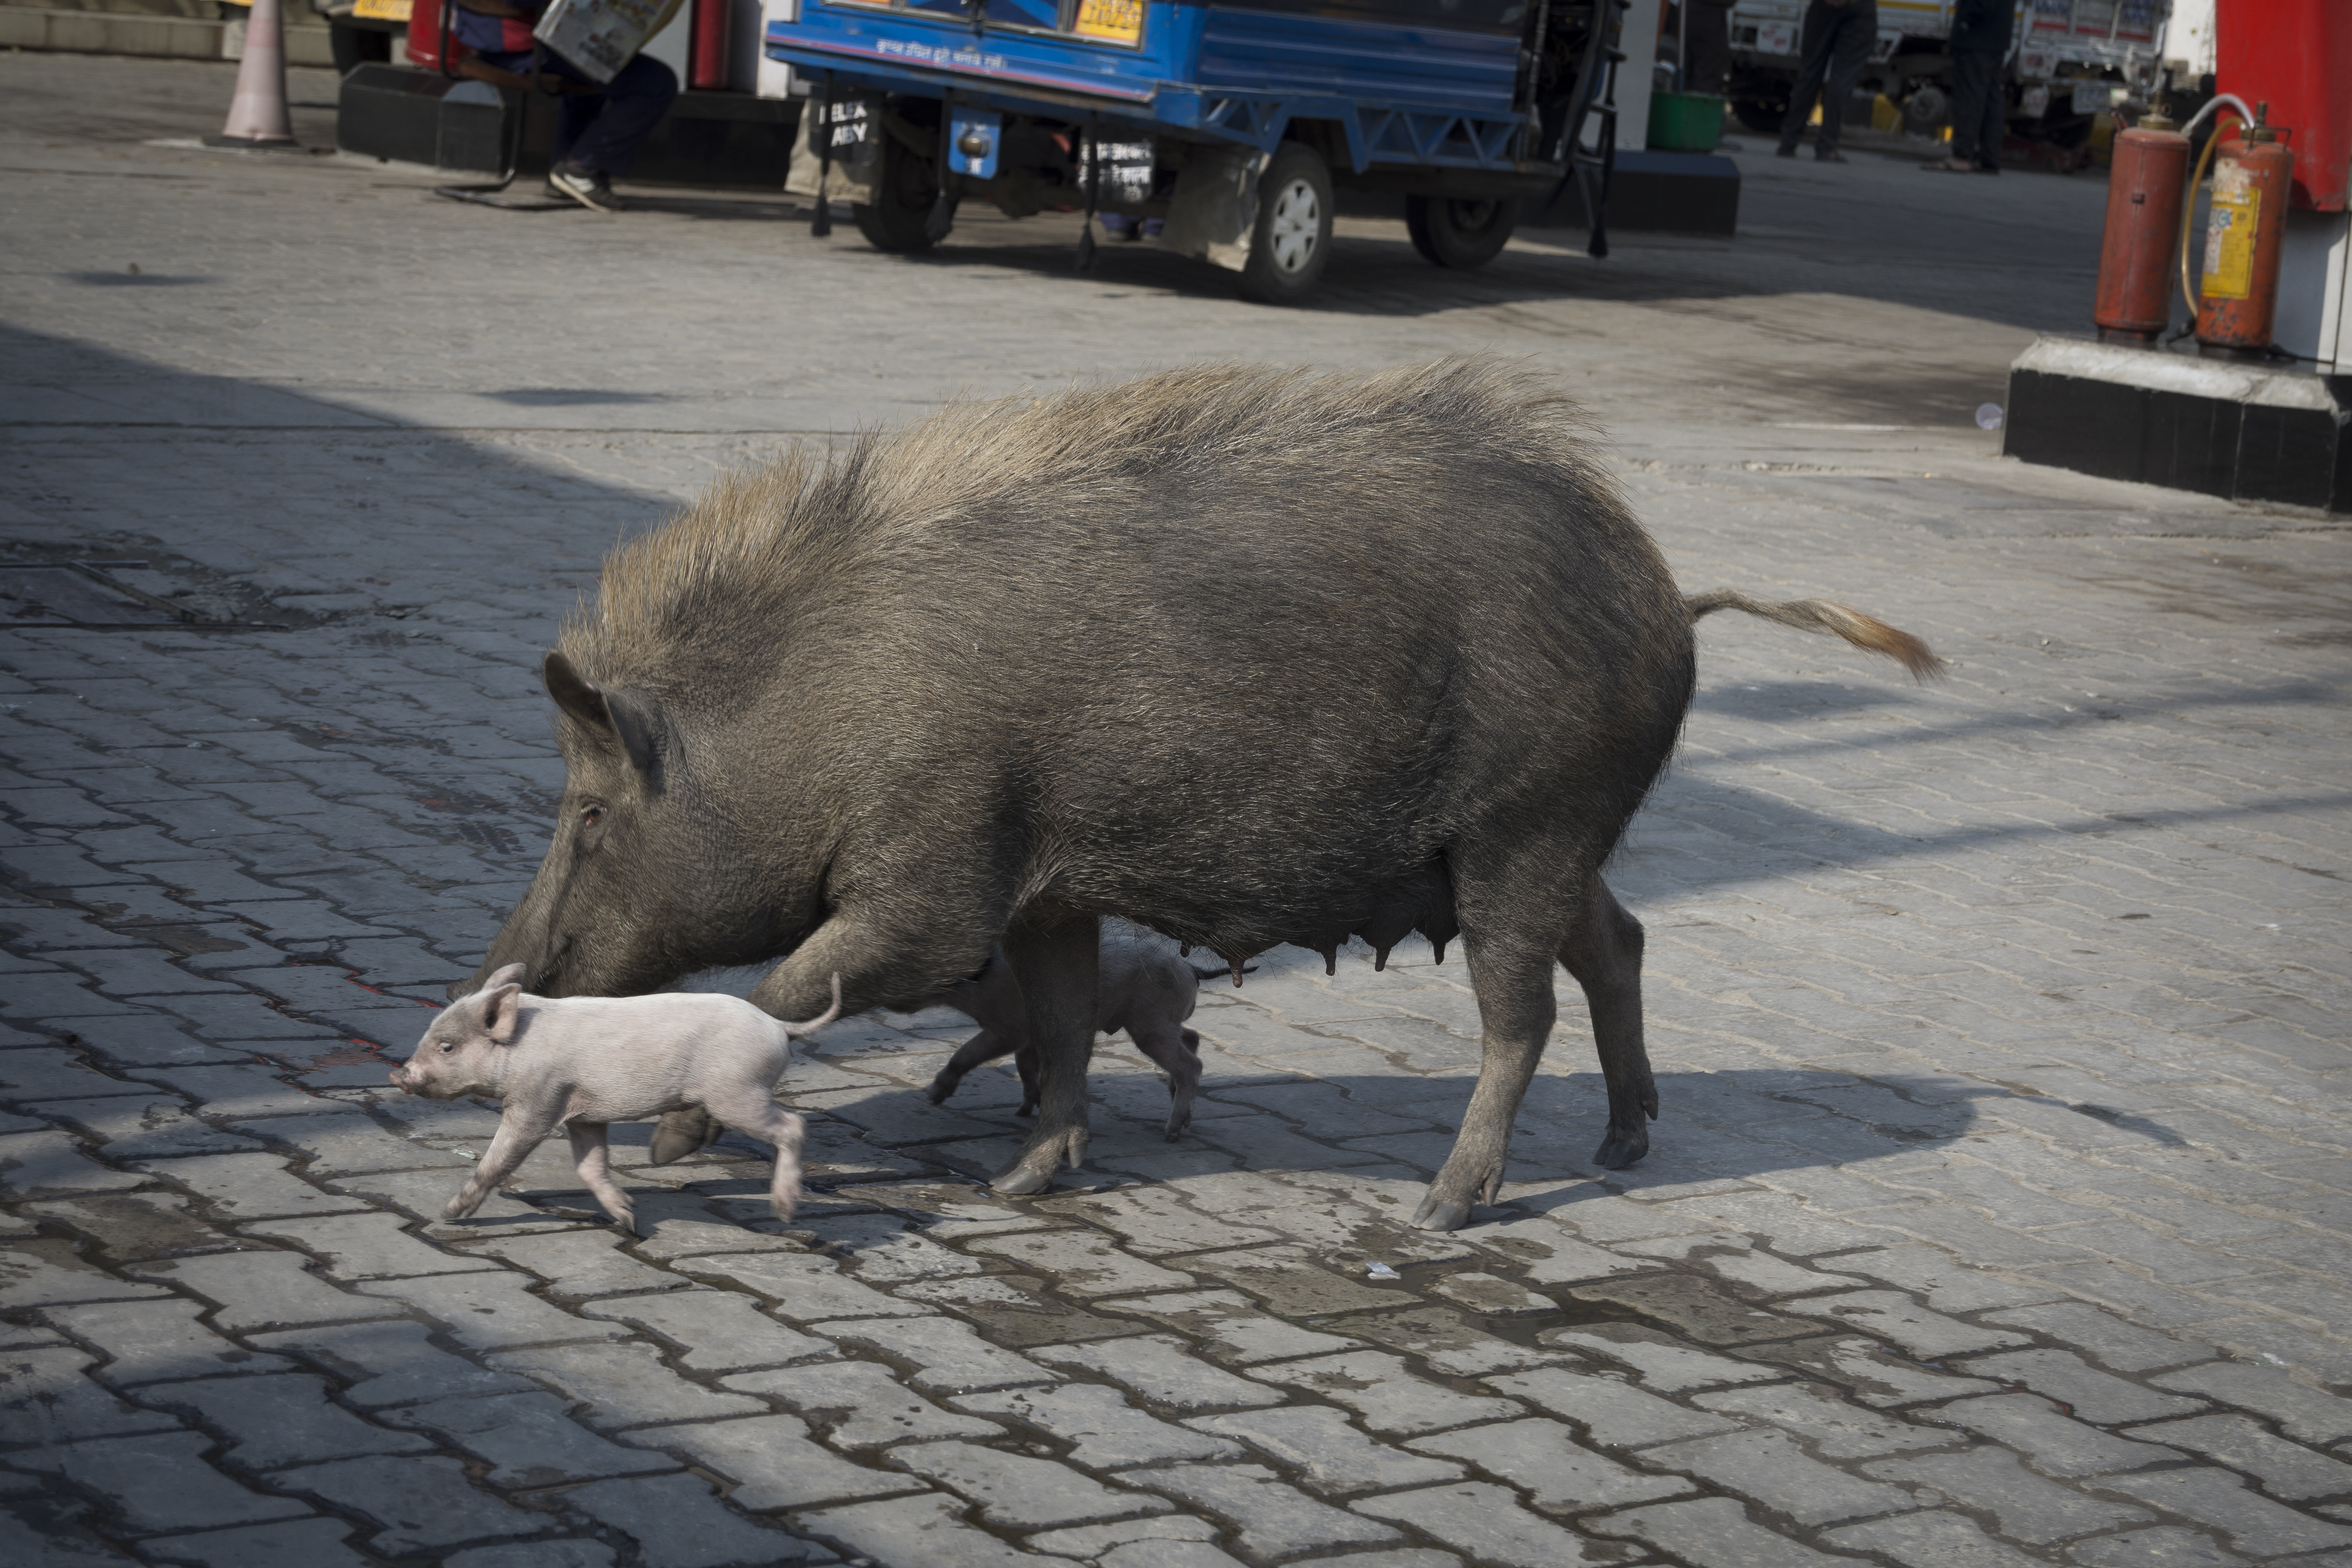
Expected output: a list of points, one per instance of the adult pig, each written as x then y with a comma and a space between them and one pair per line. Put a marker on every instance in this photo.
1246, 656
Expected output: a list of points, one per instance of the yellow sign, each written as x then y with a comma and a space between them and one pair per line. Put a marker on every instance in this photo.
383, 10
2230, 236
1115, 21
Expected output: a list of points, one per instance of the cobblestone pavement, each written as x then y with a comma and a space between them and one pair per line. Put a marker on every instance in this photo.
1998, 1214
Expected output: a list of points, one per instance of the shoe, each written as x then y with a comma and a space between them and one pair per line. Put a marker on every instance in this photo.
592, 188
1831, 156
1785, 153
1952, 166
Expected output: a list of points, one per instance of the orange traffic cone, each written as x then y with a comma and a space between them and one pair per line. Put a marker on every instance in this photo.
257, 115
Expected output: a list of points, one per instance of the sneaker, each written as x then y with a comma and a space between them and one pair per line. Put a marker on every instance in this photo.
592, 188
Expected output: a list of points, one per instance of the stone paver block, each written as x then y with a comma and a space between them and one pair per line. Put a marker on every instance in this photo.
1872, 1373
346, 1144
51, 1165
424, 1194
1696, 1308
2168, 1546
292, 1543
1612, 1413
947, 1356
2282, 1468
1930, 1540
926, 1531
418, 1506
1712, 1532
2104, 1337
278, 1419
802, 1287
1544, 1459
1289, 1282
2093, 1395
392, 1363
1385, 1393
250, 1186
2248, 1522
158, 1482
46, 1399
714, 1330
1153, 1222
2052, 1442
571, 1553
1158, 1532
677, 1522
527, 1438
358, 1247
1492, 1295
863, 1403
1550, 1253
1161, 1371
2306, 1414
1447, 1340
232, 1090
1769, 1468
1895, 1317
151, 1341
128, 1228
490, 1312
2022, 1505
1834, 1428
1487, 1522
1019, 1491
772, 1460
45, 1272
1104, 1430
1332, 1457
264, 1291
1230, 1328
1270, 1518
31, 1073
579, 1263
1667, 1365
128, 1128
1083, 1263
885, 1249
623, 1385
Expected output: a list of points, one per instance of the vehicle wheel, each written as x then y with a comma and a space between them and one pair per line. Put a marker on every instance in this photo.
1460, 234
1761, 115
1927, 107
904, 190
1292, 239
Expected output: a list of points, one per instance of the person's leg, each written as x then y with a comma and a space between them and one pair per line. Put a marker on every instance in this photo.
1992, 128
1972, 73
1820, 32
1857, 31
1709, 68
630, 106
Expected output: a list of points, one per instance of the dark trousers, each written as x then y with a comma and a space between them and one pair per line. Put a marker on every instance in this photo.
602, 130
1836, 47
1708, 70
1979, 108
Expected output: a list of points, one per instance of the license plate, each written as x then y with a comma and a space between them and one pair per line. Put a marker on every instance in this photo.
1113, 21
383, 10
2094, 98
1776, 38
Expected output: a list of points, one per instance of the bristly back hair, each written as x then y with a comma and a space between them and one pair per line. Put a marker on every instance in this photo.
759, 535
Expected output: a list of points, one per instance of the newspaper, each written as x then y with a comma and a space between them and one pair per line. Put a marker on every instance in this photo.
600, 37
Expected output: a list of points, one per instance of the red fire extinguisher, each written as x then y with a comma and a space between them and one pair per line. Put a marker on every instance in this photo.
2145, 189
2238, 295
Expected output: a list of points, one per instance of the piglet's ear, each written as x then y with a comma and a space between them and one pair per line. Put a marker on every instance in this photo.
501, 1007
512, 974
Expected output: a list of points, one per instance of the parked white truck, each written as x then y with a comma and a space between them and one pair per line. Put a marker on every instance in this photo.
2070, 60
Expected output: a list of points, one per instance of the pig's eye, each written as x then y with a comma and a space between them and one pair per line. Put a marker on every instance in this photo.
591, 815
447, 1046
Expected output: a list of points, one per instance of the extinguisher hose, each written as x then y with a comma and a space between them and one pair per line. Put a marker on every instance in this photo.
2189, 204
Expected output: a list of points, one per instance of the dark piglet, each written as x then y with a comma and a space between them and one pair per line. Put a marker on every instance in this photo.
1243, 655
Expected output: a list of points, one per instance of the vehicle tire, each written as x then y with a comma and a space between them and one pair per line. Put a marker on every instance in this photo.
1927, 107
904, 189
1761, 115
1292, 238
1459, 234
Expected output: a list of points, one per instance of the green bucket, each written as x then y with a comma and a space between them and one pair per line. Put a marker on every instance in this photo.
1685, 122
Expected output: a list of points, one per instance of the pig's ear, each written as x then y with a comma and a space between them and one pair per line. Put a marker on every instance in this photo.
634, 722
501, 1004
512, 974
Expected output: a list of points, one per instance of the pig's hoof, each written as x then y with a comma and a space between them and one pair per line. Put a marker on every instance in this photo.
1441, 1213
1620, 1150
1021, 1181
941, 1087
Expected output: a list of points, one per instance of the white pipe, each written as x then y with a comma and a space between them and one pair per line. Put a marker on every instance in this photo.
2218, 100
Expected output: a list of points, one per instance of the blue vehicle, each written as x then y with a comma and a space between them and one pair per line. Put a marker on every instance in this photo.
1233, 122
